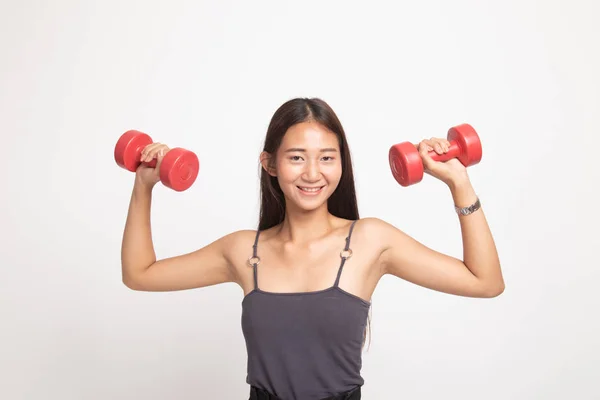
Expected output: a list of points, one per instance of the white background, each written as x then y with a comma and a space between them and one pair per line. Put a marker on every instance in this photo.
208, 76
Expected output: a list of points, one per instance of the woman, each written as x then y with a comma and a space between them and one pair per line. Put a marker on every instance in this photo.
309, 270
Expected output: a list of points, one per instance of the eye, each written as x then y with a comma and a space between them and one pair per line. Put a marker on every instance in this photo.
295, 158
329, 158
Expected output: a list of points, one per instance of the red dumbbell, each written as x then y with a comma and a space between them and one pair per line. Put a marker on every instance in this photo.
407, 166
179, 167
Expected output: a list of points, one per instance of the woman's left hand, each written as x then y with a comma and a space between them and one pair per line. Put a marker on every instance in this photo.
450, 172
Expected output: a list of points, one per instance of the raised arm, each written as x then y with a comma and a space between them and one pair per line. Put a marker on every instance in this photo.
140, 268
478, 274
142, 271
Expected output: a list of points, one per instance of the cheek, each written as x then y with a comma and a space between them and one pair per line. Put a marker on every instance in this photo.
334, 170
332, 174
287, 172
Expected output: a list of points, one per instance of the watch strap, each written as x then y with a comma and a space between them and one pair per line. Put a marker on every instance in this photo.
468, 209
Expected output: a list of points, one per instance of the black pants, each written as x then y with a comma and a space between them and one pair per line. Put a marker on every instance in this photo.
260, 394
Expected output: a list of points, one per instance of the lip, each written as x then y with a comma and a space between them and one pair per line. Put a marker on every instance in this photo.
310, 193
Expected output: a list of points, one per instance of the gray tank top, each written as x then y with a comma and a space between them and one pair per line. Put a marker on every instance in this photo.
304, 345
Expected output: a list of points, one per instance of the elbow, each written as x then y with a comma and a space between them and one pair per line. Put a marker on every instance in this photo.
494, 291
134, 278
132, 285
132, 282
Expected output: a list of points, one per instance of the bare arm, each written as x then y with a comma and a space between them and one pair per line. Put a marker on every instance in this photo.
140, 269
477, 275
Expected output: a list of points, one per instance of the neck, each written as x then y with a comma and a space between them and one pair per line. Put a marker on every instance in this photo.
301, 227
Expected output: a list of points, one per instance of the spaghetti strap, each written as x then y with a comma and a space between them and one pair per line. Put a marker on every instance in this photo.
345, 254
255, 259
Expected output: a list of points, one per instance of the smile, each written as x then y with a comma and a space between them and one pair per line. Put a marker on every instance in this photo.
310, 191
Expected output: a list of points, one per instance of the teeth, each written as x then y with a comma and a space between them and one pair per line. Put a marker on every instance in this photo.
311, 189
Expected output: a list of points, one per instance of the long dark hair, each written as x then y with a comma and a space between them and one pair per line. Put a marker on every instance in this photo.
342, 202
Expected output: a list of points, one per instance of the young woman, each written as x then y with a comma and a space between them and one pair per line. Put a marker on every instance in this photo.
308, 272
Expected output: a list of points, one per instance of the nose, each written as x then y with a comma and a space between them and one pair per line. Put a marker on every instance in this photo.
312, 172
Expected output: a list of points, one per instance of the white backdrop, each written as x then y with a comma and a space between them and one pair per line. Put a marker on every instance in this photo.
208, 76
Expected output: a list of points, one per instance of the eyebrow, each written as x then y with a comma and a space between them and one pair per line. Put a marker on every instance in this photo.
328, 149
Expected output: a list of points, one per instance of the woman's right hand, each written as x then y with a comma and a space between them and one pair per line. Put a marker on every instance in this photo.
146, 175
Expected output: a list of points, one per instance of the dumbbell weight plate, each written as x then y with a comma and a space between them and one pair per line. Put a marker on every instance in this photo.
405, 163
179, 169
129, 148
468, 140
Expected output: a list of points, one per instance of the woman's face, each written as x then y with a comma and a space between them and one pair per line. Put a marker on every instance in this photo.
308, 165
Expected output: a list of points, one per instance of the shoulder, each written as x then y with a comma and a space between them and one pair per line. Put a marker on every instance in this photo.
240, 239
235, 242
378, 232
237, 247
375, 227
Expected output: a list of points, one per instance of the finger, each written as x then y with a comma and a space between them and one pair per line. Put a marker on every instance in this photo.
424, 152
444, 144
425, 157
426, 144
160, 155
146, 151
437, 145
153, 150
156, 151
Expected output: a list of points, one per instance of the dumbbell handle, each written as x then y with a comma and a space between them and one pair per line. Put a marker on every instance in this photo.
453, 152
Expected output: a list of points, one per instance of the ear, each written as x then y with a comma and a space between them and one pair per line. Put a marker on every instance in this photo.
265, 158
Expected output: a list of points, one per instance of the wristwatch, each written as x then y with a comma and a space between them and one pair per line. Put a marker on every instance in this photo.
468, 209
